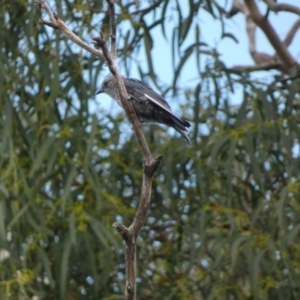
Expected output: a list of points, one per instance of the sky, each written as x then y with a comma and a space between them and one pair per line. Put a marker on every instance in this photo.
232, 53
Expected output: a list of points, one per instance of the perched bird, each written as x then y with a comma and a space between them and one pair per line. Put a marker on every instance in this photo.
149, 106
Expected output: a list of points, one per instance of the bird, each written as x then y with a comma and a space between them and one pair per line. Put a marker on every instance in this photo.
149, 106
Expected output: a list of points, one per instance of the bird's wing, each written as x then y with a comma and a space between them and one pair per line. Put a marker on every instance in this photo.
142, 88
166, 109
133, 85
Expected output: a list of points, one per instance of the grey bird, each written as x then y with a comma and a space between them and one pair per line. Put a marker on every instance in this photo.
149, 106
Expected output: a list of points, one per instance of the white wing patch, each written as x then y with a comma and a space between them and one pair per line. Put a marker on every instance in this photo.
163, 107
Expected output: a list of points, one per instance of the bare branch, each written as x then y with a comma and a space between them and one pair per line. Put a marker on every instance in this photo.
58, 24
136, 226
44, 4
147, 9
289, 38
50, 24
151, 165
263, 58
130, 235
237, 6
261, 67
140, 215
276, 7
270, 33
250, 27
259, 58
263, 61
123, 230
113, 28
101, 43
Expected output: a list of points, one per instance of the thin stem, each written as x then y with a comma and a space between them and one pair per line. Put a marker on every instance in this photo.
282, 7
60, 25
113, 28
44, 4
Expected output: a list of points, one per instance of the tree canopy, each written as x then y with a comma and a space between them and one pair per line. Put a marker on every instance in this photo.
224, 220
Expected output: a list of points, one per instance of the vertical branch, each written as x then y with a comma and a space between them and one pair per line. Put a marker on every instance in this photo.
113, 28
130, 235
291, 34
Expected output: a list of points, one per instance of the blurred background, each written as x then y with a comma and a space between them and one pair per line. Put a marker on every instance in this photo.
225, 215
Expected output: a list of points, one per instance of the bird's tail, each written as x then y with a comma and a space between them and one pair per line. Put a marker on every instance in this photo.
185, 134
180, 126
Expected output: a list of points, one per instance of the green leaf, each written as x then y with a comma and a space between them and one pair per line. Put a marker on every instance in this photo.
148, 47
229, 35
163, 18
183, 60
41, 153
64, 267
72, 228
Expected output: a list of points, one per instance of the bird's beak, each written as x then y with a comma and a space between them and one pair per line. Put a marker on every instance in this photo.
100, 91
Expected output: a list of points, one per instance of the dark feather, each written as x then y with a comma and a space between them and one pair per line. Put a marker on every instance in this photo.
149, 106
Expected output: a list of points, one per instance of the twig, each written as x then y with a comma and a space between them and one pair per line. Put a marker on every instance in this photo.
59, 25
113, 34
44, 4
101, 43
260, 67
290, 78
140, 215
50, 24
289, 37
130, 235
276, 7
147, 9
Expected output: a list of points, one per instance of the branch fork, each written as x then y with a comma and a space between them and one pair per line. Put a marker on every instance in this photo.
282, 60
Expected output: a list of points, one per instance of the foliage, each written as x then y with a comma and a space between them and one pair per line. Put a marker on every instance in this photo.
224, 220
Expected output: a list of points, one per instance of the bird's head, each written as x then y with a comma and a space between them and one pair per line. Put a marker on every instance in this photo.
106, 86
